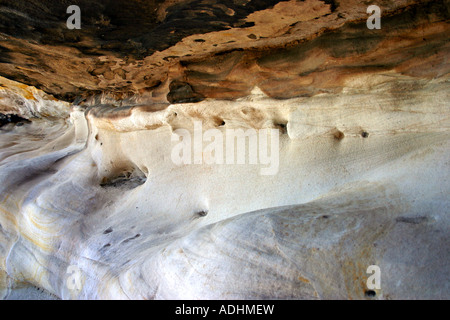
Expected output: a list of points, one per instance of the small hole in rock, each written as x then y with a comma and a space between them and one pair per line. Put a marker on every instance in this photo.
338, 135
364, 134
132, 238
202, 213
109, 230
282, 127
370, 293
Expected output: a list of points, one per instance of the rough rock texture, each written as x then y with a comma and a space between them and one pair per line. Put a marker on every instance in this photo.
87, 178
222, 50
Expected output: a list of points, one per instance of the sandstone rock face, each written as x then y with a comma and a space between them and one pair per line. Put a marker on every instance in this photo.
109, 188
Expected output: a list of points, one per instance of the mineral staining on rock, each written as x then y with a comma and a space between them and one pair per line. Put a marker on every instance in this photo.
92, 205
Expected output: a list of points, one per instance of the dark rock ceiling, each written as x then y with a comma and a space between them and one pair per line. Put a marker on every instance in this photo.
188, 50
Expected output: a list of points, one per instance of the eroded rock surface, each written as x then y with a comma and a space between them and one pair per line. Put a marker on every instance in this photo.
221, 50
87, 176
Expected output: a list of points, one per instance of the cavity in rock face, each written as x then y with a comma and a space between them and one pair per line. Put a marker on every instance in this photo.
182, 93
12, 118
234, 150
